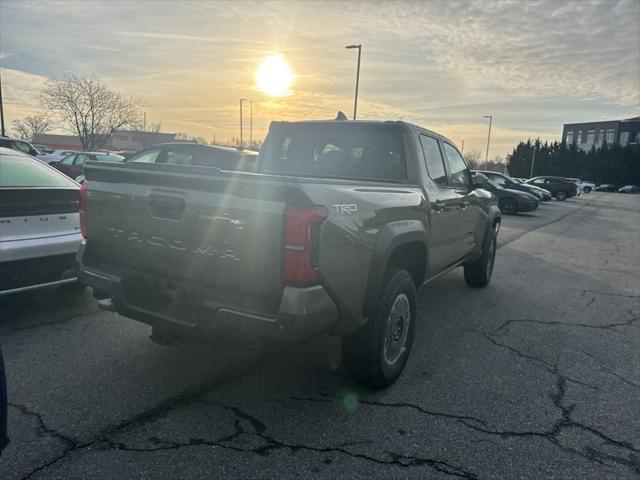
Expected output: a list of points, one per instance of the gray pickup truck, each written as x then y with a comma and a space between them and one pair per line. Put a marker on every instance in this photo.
338, 227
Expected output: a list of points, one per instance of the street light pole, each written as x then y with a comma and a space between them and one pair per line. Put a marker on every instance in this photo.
250, 123
241, 100
486, 158
533, 160
1, 109
355, 104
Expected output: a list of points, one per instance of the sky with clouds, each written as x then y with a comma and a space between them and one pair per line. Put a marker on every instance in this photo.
533, 65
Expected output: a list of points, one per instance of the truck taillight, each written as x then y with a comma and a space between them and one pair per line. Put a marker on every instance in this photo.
297, 263
83, 209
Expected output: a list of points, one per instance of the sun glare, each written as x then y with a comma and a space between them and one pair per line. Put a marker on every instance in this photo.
274, 76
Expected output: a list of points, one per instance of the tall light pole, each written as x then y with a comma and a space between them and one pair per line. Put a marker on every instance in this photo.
355, 104
250, 123
462, 152
533, 160
486, 158
1, 110
241, 100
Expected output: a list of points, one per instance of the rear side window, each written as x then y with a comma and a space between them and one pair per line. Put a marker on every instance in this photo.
433, 159
109, 158
460, 176
148, 156
176, 157
498, 180
80, 160
340, 150
21, 171
68, 160
23, 147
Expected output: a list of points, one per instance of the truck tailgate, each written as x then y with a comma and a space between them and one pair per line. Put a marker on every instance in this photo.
199, 226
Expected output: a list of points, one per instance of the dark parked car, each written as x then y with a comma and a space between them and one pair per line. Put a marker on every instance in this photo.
629, 189
73, 165
504, 181
510, 201
606, 187
338, 227
19, 145
561, 188
194, 154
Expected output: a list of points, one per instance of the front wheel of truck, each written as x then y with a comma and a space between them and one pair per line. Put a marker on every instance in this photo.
478, 273
376, 353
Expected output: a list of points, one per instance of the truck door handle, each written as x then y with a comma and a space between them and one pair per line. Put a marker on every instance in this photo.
163, 206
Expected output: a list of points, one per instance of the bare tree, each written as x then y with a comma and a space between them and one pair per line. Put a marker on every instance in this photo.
472, 158
30, 126
88, 108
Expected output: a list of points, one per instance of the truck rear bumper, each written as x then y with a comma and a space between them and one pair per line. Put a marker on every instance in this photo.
302, 312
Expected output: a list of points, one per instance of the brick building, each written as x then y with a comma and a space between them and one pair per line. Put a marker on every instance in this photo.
613, 132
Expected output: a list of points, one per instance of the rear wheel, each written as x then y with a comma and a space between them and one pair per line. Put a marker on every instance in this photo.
507, 206
586, 189
478, 273
561, 195
376, 353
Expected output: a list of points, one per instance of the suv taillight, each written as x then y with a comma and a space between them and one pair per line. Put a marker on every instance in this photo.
299, 232
83, 209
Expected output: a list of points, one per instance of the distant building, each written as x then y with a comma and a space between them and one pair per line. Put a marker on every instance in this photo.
614, 132
120, 140
58, 142
135, 140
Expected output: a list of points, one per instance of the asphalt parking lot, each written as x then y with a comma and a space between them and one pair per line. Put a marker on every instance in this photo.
537, 376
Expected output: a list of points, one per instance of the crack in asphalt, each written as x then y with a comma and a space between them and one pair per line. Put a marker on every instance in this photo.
548, 366
331, 398
607, 294
608, 326
69, 441
601, 364
565, 421
258, 430
186, 397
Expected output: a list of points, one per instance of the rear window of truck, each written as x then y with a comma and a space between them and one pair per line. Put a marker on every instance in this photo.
342, 150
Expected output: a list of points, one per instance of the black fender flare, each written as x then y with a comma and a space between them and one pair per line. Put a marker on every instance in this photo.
493, 214
390, 237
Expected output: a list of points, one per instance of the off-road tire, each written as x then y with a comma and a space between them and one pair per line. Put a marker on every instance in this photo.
364, 353
478, 273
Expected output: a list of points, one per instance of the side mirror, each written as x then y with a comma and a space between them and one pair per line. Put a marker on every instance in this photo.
80, 179
479, 180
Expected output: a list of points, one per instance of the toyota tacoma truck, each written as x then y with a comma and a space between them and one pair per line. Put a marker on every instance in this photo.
333, 232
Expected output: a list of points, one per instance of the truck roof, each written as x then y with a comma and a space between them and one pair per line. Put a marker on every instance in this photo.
401, 123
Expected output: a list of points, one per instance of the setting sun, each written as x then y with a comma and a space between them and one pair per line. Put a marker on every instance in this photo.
274, 76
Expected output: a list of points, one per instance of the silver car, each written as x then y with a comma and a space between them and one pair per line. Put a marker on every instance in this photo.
39, 224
